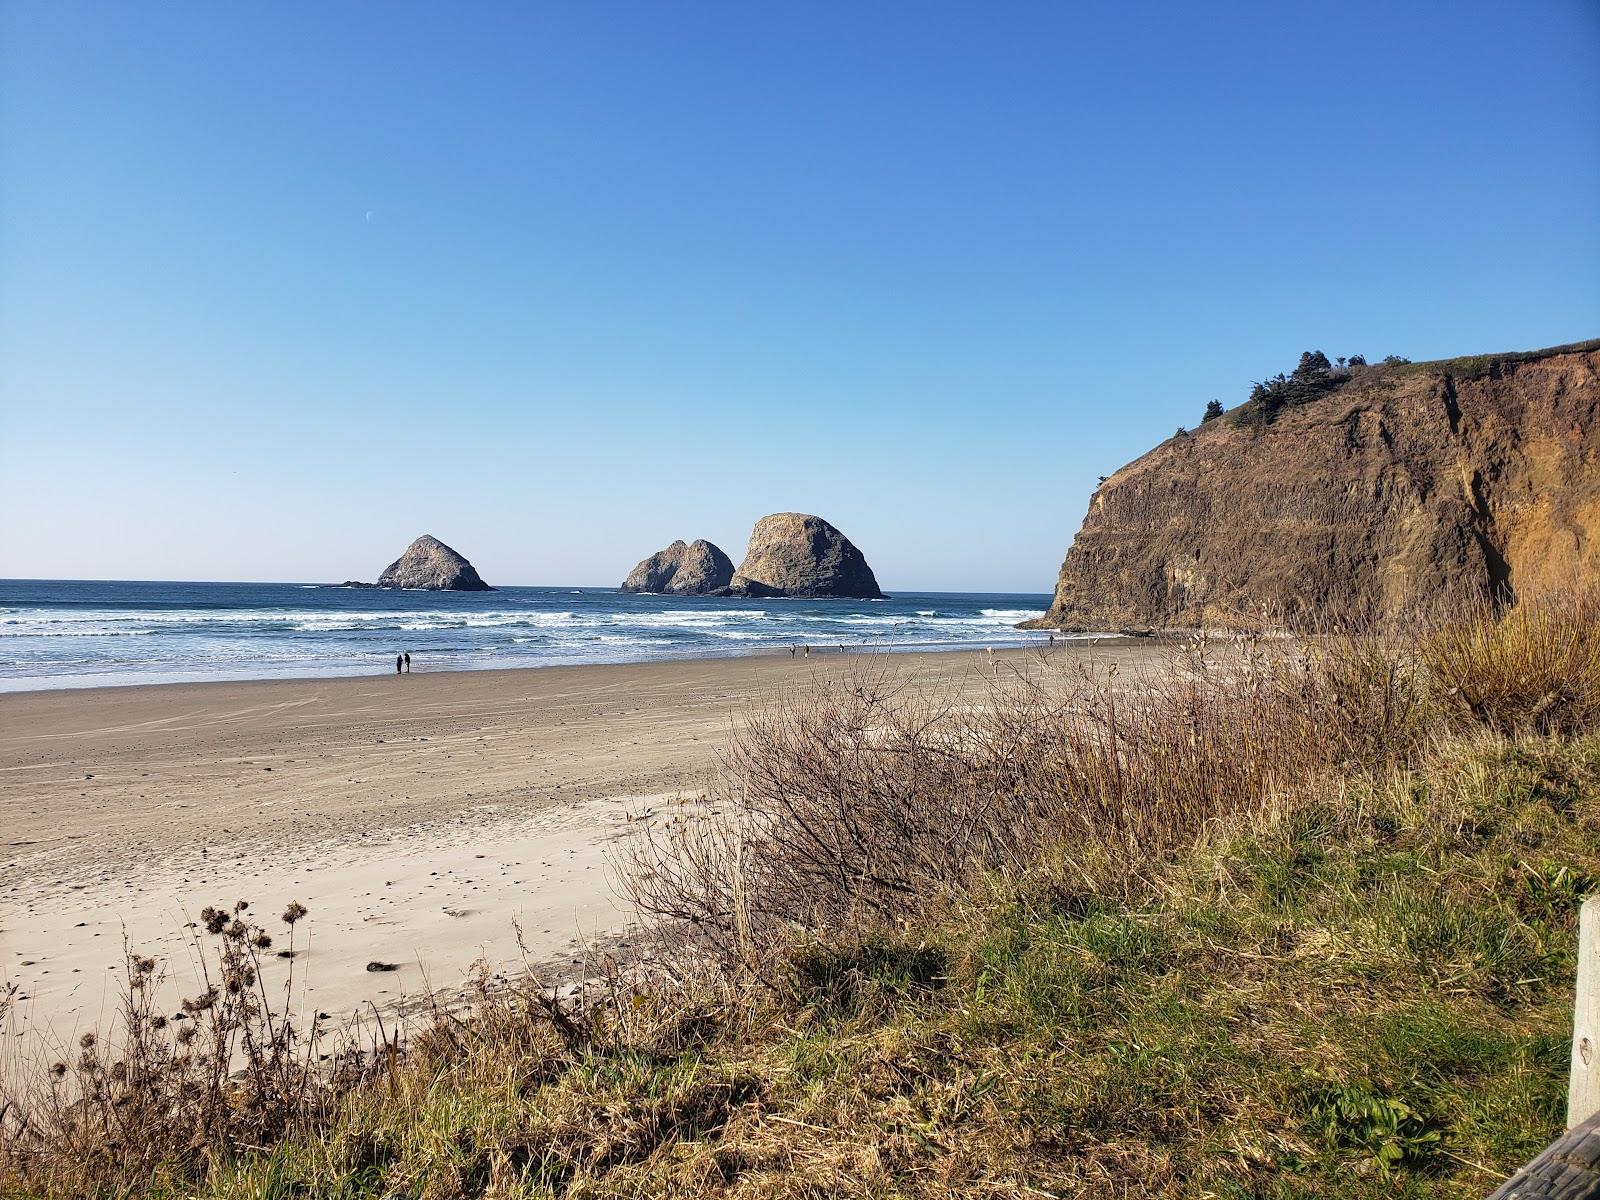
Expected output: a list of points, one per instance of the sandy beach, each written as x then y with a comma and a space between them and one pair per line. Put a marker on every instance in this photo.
420, 818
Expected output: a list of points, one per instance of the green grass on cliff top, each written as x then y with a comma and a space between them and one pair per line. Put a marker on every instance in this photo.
1468, 367
1475, 366
1370, 997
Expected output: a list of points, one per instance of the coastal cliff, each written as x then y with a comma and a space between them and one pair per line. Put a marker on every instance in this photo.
1364, 492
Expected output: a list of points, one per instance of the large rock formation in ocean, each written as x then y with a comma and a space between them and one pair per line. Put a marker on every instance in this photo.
695, 568
1364, 493
431, 566
793, 554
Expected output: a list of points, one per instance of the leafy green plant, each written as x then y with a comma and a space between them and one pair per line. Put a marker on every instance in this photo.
1555, 886
1360, 1116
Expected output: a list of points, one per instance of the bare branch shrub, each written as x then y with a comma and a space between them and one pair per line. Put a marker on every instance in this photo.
230, 1069
175, 1105
866, 798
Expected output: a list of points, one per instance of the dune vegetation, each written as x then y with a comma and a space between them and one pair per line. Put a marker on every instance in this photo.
1295, 917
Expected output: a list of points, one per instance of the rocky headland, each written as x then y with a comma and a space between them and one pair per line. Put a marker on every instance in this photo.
799, 555
1351, 491
429, 565
696, 568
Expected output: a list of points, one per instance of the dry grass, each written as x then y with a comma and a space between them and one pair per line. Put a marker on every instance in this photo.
1534, 666
230, 1070
868, 800
1289, 919
1364, 995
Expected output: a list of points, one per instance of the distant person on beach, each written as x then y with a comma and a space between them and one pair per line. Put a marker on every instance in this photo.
399, 663
1052, 639
408, 662
807, 649
792, 649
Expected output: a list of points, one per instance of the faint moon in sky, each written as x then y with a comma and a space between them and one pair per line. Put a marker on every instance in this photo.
368, 217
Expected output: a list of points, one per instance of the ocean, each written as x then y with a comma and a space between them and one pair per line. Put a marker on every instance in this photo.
78, 633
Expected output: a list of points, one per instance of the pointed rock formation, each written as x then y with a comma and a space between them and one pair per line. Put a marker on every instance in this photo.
429, 565
794, 554
696, 568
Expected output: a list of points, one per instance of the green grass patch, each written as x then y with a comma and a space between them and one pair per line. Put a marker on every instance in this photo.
1364, 997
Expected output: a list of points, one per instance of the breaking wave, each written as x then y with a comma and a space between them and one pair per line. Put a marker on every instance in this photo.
60, 634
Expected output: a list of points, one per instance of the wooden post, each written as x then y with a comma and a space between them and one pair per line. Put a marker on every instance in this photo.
1583, 1087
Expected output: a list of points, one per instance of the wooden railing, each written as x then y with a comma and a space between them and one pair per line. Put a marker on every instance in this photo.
1569, 1168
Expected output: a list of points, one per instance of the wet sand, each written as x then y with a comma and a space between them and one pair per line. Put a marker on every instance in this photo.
421, 819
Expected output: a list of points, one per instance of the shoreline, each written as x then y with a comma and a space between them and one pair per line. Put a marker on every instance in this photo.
830, 651
418, 817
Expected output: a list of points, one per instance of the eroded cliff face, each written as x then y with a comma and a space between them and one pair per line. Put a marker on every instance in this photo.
1403, 485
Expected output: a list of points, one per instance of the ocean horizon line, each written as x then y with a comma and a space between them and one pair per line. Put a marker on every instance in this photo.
499, 587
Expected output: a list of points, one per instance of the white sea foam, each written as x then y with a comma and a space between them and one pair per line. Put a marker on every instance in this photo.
100, 622
67, 639
693, 616
82, 631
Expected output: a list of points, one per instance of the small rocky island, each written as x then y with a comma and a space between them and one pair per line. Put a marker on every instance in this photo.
696, 568
428, 565
799, 555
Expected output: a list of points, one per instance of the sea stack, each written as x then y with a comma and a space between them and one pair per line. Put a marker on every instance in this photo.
696, 568
1382, 489
795, 554
428, 565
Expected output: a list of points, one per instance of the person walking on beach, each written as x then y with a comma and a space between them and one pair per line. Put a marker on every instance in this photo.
808, 651
408, 662
399, 663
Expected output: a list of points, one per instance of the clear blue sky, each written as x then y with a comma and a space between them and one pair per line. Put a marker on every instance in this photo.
284, 285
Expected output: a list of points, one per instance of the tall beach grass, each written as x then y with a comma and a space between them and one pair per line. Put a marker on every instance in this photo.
1284, 918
